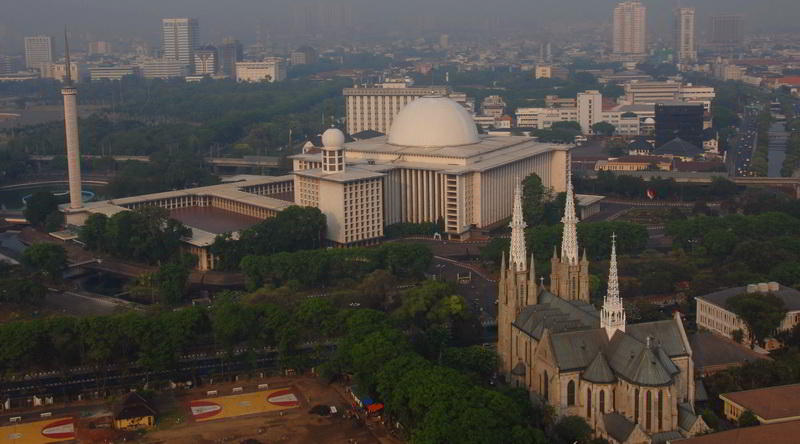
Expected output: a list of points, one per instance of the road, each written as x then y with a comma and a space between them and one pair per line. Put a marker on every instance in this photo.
77, 304
741, 153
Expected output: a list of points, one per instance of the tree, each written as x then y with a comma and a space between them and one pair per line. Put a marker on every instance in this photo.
572, 429
603, 128
748, 419
569, 125
534, 197
51, 259
39, 206
761, 313
171, 279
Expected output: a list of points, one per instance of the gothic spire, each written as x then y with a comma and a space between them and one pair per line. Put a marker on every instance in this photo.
612, 318
569, 240
518, 259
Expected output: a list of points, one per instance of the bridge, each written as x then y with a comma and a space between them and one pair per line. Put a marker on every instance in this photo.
786, 183
246, 161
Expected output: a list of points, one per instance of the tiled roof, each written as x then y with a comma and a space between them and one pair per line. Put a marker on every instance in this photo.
790, 296
618, 426
710, 350
679, 147
781, 433
557, 315
598, 371
575, 350
769, 403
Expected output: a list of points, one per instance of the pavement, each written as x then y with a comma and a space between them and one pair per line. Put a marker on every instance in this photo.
84, 304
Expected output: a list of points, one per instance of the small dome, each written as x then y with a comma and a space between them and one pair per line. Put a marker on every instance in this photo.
433, 121
333, 138
649, 121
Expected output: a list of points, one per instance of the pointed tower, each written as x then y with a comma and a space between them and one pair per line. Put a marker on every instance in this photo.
569, 276
70, 95
612, 317
516, 288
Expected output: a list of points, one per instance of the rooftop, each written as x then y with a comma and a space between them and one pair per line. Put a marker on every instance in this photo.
782, 433
710, 351
790, 296
771, 403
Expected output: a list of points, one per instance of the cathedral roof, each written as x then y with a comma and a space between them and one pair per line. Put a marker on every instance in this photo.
666, 334
637, 362
575, 350
686, 417
598, 371
556, 315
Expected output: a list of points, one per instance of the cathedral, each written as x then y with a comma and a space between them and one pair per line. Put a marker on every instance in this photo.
633, 384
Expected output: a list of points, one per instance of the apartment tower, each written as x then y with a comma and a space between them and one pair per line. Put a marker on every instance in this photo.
630, 28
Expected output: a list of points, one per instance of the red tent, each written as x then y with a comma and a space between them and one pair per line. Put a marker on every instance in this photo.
377, 407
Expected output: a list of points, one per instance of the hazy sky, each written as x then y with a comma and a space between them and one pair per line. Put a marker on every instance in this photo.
242, 18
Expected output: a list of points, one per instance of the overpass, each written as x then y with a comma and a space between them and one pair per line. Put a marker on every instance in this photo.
785, 183
246, 161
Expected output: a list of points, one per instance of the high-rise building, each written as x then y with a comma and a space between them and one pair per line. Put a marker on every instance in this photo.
304, 55
99, 48
630, 28
38, 50
179, 39
206, 61
230, 52
683, 34
727, 29
374, 108
444, 41
679, 120
58, 71
590, 109
5, 64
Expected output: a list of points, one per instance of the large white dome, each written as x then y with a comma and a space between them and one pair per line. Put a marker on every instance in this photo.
433, 121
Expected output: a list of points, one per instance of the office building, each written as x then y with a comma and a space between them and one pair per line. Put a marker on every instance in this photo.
38, 50
58, 71
727, 29
115, 72
272, 69
683, 35
305, 55
206, 61
679, 120
374, 108
230, 53
5, 64
99, 48
164, 69
631, 383
713, 313
630, 28
179, 38
493, 106
590, 109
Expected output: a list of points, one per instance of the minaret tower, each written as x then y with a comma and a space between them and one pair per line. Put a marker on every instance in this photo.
70, 95
517, 286
333, 151
612, 317
569, 275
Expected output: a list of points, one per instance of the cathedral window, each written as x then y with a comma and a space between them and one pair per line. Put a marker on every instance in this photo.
588, 402
571, 393
660, 410
649, 410
636, 406
546, 391
602, 401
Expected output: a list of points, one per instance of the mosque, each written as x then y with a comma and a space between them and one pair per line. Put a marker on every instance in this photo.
633, 384
432, 166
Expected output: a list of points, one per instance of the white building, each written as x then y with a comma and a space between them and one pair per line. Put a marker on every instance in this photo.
116, 72
433, 165
272, 69
590, 109
58, 71
543, 118
647, 93
683, 35
630, 28
164, 69
38, 50
99, 48
179, 38
374, 108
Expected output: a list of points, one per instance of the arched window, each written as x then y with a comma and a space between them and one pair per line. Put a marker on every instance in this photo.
660, 410
602, 401
648, 410
545, 389
571, 393
588, 402
636, 406
614, 399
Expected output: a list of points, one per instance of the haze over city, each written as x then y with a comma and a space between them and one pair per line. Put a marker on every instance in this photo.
388, 222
